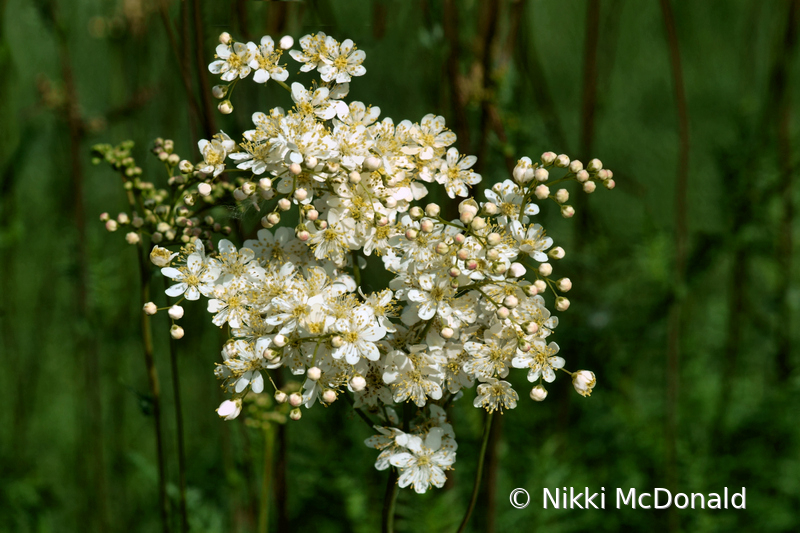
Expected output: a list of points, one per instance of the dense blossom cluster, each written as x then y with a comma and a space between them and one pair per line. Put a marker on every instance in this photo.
465, 305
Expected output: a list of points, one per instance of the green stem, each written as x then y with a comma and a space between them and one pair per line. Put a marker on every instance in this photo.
356, 270
479, 473
269, 452
389, 501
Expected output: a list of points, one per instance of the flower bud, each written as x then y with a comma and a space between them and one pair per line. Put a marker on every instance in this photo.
204, 189
432, 210
337, 341
132, 238
173, 159
541, 192
521, 172
447, 333
312, 215
454, 272
390, 202
265, 184
150, 308
112, 225
556, 253
575, 166
225, 107
300, 194
562, 304
540, 285
310, 162
490, 208
472, 264
426, 225
225, 38
104, 217
219, 91
354, 177
284, 204
175, 312
468, 206
594, 165
329, 396
303, 235
531, 328
493, 254
230, 409
538, 393
415, 213
603, 174
295, 399
239, 195
274, 218
564, 284
466, 217
562, 195
583, 381
562, 161
503, 313
511, 301
478, 223
548, 158
279, 340
582, 176
314, 373
286, 42
358, 383
281, 396
545, 269
567, 211
411, 234
610, 184
442, 248
266, 223
459, 238
157, 237
530, 290
589, 187
516, 270
295, 169
541, 174
494, 239
295, 414
372, 163
176, 332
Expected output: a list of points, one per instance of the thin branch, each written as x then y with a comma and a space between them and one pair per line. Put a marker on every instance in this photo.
476, 488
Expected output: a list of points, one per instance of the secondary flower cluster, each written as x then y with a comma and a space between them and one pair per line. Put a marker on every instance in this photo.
464, 306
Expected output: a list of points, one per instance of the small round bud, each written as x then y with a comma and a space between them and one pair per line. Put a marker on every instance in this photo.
524, 346
132, 238
556, 253
531, 328
472, 264
239, 195
530, 290
354, 177
545, 269
295, 399
321, 224
225, 38
490, 208
225, 107
281, 397
173, 159
280, 340
104, 217
494, 239
265, 184
332, 167
249, 188
582, 176
337, 341
562, 161
447, 333
542, 192
548, 158
432, 210
516, 270
564, 284
511, 301
478, 223
312, 215
372, 163
329, 396
303, 235
219, 91
594, 165
381, 220
358, 383
284, 204
390, 202
295, 169
411, 234
416, 213
295, 414
230, 409
562, 304
540, 285
541, 174
503, 313
286, 42
314, 373
162, 156
311, 162
175, 312
300, 194
463, 254
589, 187
583, 381
575, 166
150, 308
265, 222
112, 225
157, 237
204, 189
426, 225
610, 184
603, 174
562, 195
454, 272
499, 268
176, 332
466, 217
567, 211
442, 248
493, 254
538, 393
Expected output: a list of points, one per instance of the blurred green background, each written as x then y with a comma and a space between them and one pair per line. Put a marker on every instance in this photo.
686, 293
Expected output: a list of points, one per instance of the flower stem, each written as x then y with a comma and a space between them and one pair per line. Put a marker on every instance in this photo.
389, 500
479, 473
269, 449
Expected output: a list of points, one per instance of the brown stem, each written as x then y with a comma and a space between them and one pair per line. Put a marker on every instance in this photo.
675, 317
479, 472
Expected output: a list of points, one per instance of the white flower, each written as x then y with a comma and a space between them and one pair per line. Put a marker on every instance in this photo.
341, 62
490, 359
229, 305
233, 62
455, 174
317, 103
214, 153
532, 240
508, 197
245, 365
194, 279
312, 46
415, 375
359, 334
428, 137
230, 409
264, 60
541, 360
161, 257
583, 381
425, 462
238, 266
433, 297
496, 395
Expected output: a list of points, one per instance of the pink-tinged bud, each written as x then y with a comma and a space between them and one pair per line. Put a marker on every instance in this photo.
303, 235
494, 239
459, 238
530, 290
610, 184
300, 194
150, 308
562, 161
426, 225
463, 254
358, 383
295, 414
493, 254
454, 272
567, 211
548, 158
541, 174
490, 208
503, 313
603, 174
281, 397
582, 176
589, 187
432, 210
472, 264
542, 192
545, 269
312, 215
104, 217
511, 301
381, 220
411, 234
540, 285
112, 225
516, 270
225, 38
329, 396
562, 195
575, 166
538, 393
321, 224
284, 204
583, 381
524, 346
295, 399
594, 165
176, 332
564, 284
295, 169
175, 312
562, 304
466, 217
531, 328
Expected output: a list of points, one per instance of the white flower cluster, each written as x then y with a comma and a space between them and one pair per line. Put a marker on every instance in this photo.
465, 304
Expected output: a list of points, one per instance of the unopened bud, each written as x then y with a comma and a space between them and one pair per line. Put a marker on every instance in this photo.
279, 340
411, 234
112, 225
503, 313
541, 174
610, 184
478, 223
303, 235
562, 304
219, 91
589, 187
442, 248
454, 272
447, 333
239, 195
354, 177
556, 253
295, 414
358, 383
516, 270
426, 225
432, 210
300, 194
538, 393
416, 213
540, 285
562, 195
490, 208
594, 165
372, 163
567, 211
175, 312
511, 301
542, 192
225, 37
575, 166
295, 399
545, 269
564, 284
548, 158
150, 308
562, 161
329, 396
312, 215
494, 239
314, 373
281, 396
265, 184
132, 238
176, 332
225, 107
286, 42
337, 341
582, 176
